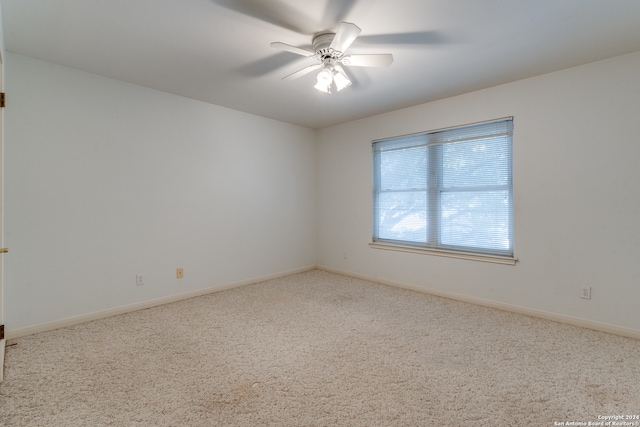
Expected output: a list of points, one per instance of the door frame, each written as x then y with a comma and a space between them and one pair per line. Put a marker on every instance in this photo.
2, 341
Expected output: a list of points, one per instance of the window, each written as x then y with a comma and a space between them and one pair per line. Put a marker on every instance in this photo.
447, 191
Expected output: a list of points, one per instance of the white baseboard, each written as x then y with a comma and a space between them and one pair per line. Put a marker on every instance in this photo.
75, 320
49, 326
560, 318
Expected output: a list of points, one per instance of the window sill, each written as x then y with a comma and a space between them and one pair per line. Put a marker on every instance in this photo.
445, 253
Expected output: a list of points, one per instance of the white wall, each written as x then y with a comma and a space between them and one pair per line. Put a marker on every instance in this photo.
577, 204
104, 180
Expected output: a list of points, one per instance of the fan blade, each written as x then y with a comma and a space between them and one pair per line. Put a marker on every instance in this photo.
267, 65
292, 49
275, 12
379, 60
336, 11
346, 34
300, 73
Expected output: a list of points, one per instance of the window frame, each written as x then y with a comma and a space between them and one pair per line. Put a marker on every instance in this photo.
434, 194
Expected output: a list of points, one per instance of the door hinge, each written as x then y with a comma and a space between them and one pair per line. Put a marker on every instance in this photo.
1, 99
1, 332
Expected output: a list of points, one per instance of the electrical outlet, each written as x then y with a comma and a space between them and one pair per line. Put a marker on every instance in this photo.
139, 279
344, 254
585, 292
179, 273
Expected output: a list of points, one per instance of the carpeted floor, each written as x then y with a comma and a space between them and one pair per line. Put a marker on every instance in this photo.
319, 349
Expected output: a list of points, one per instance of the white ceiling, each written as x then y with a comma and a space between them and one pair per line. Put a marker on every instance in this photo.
218, 51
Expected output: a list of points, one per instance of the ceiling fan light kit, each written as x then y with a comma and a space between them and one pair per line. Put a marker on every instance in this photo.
331, 74
328, 51
324, 80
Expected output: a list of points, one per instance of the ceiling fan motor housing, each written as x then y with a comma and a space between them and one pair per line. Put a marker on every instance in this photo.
321, 46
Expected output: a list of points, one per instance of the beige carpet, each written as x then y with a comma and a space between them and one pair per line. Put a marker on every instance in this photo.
319, 349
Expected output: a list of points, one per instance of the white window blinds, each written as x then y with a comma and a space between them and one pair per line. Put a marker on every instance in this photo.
447, 189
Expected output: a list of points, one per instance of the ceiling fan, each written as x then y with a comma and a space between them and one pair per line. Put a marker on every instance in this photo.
328, 48
329, 52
